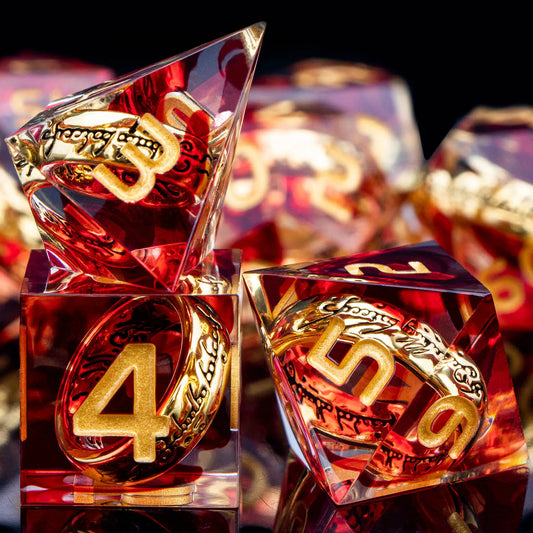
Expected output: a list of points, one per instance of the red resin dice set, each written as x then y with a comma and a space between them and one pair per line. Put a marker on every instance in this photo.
477, 198
28, 82
388, 366
129, 316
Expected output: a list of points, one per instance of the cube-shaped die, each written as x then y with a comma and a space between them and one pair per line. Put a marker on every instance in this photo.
130, 396
389, 369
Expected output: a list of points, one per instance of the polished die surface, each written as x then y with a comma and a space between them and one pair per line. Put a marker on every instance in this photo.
126, 180
326, 155
389, 370
130, 319
476, 198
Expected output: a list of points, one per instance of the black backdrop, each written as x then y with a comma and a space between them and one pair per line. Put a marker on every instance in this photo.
452, 56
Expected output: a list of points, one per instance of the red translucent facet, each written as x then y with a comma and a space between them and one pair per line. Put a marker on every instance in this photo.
126, 180
490, 504
74, 330
390, 370
476, 196
324, 159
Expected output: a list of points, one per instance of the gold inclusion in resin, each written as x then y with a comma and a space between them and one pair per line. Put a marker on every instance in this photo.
389, 369
130, 317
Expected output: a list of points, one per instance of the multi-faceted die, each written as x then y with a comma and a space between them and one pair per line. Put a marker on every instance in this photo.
126, 180
29, 82
476, 198
325, 156
127, 395
389, 370
130, 317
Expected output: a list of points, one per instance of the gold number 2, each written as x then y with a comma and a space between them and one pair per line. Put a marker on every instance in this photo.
144, 425
147, 167
416, 266
339, 374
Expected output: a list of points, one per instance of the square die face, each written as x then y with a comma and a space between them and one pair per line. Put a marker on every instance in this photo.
388, 384
129, 397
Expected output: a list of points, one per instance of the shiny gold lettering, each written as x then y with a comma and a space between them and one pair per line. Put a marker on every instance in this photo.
326, 182
144, 425
247, 193
416, 268
178, 107
525, 260
508, 291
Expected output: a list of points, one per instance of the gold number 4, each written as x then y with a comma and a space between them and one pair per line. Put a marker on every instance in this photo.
144, 425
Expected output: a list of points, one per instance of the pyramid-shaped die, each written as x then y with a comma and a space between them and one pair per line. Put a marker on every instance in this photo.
389, 370
126, 180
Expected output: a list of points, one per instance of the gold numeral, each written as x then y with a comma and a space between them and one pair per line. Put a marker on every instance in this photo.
144, 425
464, 414
247, 193
339, 374
525, 260
146, 166
416, 268
508, 291
345, 182
178, 107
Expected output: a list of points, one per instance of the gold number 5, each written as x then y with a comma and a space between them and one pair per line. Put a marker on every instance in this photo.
339, 374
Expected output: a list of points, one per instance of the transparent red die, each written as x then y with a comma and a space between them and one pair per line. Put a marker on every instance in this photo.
389, 370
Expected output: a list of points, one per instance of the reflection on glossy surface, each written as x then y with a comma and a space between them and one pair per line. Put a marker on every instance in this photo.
325, 156
113, 520
74, 340
489, 504
126, 180
477, 199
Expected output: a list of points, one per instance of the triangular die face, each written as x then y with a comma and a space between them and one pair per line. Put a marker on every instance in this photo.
276, 296
425, 266
148, 156
75, 241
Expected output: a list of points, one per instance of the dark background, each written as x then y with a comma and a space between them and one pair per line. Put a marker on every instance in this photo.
453, 57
